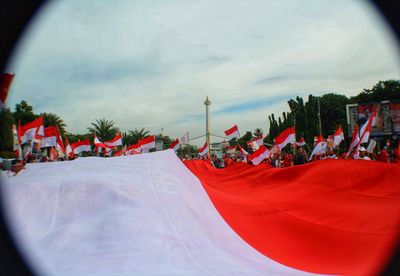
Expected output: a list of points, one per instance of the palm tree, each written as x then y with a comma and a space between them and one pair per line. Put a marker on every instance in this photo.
51, 119
257, 132
136, 134
104, 129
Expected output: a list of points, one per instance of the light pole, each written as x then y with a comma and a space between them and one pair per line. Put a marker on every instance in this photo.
207, 104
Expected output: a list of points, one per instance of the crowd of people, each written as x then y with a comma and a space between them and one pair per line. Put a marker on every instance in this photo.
299, 156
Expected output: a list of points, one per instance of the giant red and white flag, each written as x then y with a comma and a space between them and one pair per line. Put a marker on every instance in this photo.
147, 143
203, 150
5, 83
81, 146
185, 138
285, 137
28, 131
116, 141
354, 141
366, 128
338, 137
231, 133
175, 145
319, 149
259, 155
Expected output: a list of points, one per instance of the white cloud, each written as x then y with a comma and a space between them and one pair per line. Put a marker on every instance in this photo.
152, 63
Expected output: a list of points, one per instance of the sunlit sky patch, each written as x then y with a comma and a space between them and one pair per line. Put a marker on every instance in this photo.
152, 63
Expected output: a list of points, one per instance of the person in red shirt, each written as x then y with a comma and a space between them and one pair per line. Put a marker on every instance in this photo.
288, 160
383, 156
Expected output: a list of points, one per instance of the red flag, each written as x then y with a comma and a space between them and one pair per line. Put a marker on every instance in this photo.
5, 83
232, 132
259, 155
116, 141
354, 141
68, 149
301, 142
285, 137
52, 138
81, 146
203, 150
30, 130
366, 129
175, 145
133, 149
338, 137
231, 149
148, 143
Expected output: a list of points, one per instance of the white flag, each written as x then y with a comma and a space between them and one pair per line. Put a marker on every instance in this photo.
185, 138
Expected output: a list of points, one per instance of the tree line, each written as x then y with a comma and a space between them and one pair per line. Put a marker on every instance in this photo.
303, 114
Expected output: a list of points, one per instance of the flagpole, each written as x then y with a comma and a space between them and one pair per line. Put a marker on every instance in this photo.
207, 103
188, 145
319, 116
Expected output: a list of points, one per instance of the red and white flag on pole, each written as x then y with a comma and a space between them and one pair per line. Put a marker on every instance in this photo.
242, 151
354, 141
185, 138
68, 149
231, 150
338, 137
147, 143
256, 142
204, 150
81, 146
116, 141
30, 130
5, 83
366, 128
52, 154
259, 155
319, 149
175, 145
232, 132
52, 138
285, 137
301, 142
133, 149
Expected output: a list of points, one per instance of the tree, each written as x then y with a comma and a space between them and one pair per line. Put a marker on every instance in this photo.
136, 135
383, 90
104, 129
24, 113
166, 140
50, 119
257, 132
6, 135
333, 113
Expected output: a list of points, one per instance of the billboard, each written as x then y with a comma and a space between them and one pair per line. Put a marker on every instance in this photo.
387, 117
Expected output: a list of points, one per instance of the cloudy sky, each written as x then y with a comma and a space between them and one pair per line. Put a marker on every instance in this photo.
152, 63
